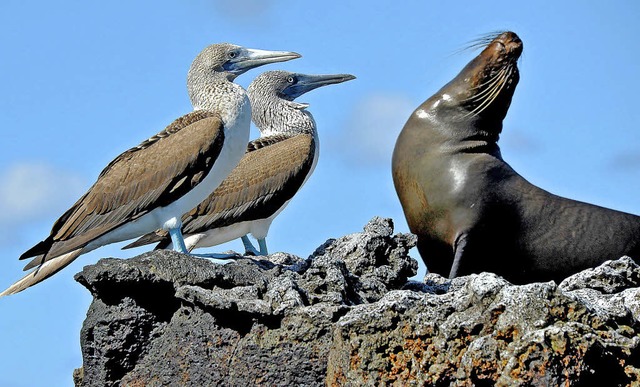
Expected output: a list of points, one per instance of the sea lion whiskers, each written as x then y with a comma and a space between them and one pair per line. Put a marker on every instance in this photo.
491, 79
486, 85
495, 93
480, 42
487, 96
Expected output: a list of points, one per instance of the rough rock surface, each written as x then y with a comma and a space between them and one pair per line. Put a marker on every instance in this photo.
348, 315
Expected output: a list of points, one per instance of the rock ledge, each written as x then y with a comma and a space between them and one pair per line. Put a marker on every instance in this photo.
348, 315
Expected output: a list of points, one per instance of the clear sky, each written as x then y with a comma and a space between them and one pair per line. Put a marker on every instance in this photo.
83, 81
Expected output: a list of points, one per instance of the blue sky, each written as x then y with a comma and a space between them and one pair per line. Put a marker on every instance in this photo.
83, 81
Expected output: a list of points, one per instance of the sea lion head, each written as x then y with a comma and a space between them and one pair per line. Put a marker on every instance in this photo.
480, 95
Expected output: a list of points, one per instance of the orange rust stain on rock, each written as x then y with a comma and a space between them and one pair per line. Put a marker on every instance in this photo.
355, 361
416, 346
338, 378
136, 383
531, 364
508, 335
407, 362
485, 370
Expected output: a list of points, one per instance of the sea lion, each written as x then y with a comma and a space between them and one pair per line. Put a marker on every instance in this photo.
470, 210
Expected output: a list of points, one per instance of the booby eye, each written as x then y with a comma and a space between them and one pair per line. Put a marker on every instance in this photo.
291, 79
232, 54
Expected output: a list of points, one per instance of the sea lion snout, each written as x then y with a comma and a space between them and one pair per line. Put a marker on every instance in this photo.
511, 42
507, 44
509, 37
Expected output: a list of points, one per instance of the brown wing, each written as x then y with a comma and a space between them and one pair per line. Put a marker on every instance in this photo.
269, 174
262, 182
157, 172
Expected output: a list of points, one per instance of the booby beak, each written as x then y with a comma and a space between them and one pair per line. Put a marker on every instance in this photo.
305, 83
248, 58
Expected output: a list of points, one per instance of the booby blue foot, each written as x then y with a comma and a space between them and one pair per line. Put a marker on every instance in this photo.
263, 246
249, 249
178, 240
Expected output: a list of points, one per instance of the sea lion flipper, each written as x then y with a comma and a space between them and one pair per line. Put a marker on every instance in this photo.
458, 254
441, 252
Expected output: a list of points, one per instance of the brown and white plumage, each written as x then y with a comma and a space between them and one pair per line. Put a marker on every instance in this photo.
151, 185
261, 181
273, 169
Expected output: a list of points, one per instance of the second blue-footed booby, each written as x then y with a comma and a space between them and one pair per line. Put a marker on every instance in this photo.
273, 169
153, 184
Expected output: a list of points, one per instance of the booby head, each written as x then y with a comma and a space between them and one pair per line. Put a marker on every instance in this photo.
289, 86
298, 84
235, 60
214, 69
272, 94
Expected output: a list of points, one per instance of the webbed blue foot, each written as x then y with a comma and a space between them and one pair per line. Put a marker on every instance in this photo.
178, 240
263, 246
249, 249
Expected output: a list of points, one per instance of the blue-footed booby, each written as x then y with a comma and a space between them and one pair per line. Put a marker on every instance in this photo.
152, 185
272, 170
